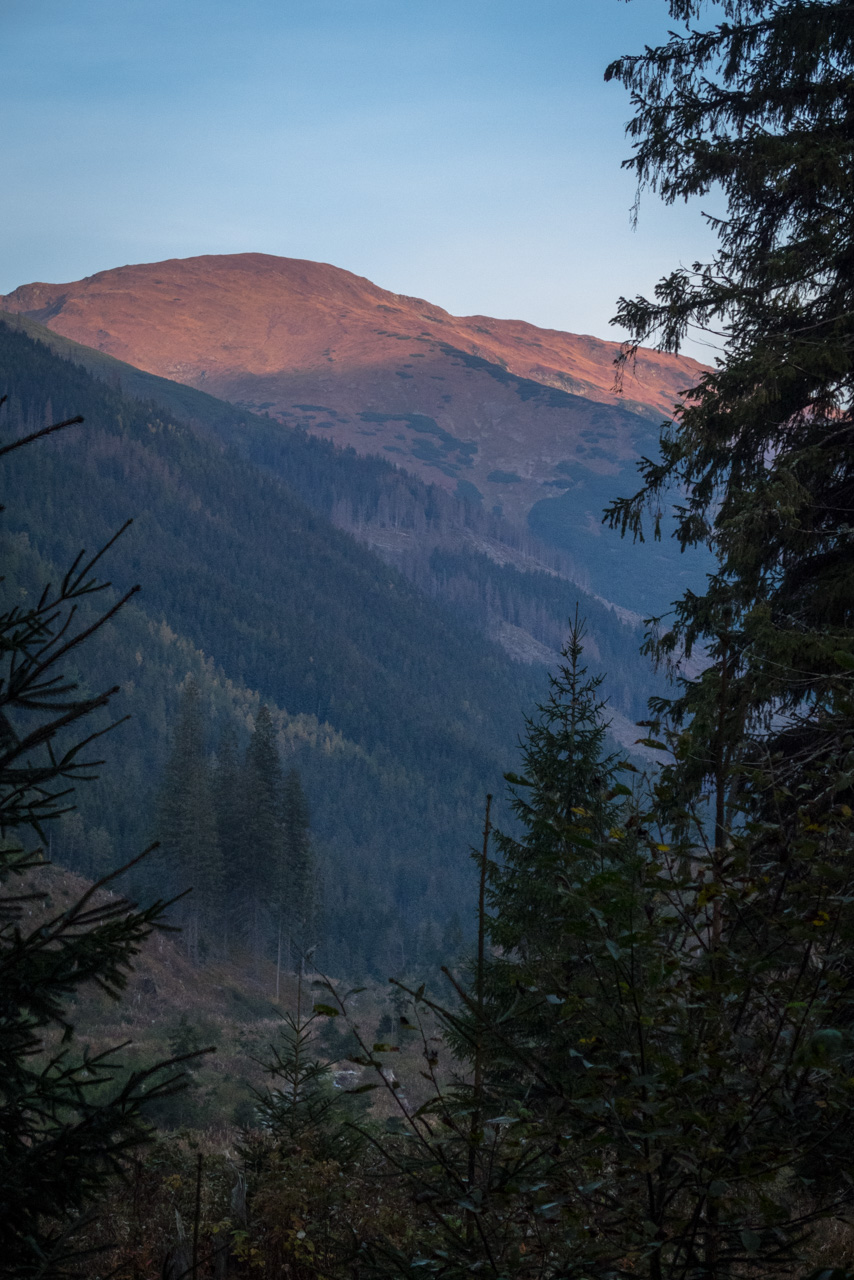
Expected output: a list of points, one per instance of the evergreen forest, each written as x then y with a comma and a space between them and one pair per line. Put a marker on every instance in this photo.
387, 692
617, 1036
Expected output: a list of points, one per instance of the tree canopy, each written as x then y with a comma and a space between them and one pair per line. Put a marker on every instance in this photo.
758, 105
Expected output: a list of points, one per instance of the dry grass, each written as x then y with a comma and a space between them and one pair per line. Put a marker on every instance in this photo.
230, 1006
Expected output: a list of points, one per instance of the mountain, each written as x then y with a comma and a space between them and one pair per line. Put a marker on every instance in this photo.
385, 551
521, 420
388, 694
488, 571
224, 319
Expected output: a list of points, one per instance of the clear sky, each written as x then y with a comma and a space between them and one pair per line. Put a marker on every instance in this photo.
465, 151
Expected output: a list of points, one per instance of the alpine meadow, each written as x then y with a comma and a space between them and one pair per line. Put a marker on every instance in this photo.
427, 740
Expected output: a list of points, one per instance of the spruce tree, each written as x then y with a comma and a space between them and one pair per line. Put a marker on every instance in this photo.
571, 805
302, 1113
754, 98
264, 853
658, 1045
188, 829
513, 1161
231, 821
758, 105
567, 800
297, 877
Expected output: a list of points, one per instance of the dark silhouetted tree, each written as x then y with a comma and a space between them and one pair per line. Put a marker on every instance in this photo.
188, 830
264, 856
299, 907
230, 810
65, 1127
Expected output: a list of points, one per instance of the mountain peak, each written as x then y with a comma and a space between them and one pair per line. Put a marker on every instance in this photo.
500, 410
254, 313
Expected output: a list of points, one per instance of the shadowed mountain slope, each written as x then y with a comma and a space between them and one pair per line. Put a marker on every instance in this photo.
400, 716
386, 692
490, 573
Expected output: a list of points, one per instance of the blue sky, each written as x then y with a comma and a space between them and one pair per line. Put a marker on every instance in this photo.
466, 151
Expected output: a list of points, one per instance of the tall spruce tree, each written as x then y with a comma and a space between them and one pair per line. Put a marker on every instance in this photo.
759, 105
570, 802
659, 1046
298, 903
188, 829
264, 855
231, 821
529, 1164
567, 799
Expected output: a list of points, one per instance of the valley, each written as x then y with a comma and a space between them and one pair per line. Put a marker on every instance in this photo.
398, 617
403, 874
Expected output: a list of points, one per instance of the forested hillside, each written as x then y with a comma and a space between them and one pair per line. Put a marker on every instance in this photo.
262, 599
407, 522
399, 714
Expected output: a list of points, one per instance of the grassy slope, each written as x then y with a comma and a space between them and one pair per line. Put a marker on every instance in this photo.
231, 1007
